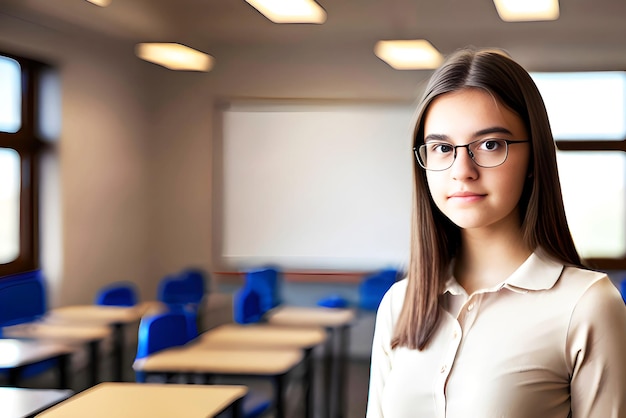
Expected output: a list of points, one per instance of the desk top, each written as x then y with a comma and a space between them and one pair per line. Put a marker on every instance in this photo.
147, 400
316, 316
96, 314
16, 353
194, 358
262, 336
21, 402
58, 332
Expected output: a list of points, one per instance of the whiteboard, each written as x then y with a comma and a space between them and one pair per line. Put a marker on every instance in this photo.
316, 186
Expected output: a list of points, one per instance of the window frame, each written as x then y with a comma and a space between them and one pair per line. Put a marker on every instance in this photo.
29, 144
597, 145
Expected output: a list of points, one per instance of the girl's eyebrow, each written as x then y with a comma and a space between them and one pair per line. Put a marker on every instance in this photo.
493, 130
482, 132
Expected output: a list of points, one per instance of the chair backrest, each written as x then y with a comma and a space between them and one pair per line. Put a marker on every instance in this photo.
247, 306
117, 294
174, 290
196, 282
22, 298
161, 331
266, 283
373, 288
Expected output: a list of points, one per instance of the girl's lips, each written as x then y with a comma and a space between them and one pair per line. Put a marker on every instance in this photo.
466, 196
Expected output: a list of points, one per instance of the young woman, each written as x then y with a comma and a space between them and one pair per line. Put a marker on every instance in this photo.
498, 317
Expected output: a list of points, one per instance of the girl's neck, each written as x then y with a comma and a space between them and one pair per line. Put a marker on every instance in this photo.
487, 259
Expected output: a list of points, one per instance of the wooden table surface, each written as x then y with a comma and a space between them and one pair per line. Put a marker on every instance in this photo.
22, 402
262, 336
147, 400
310, 316
194, 358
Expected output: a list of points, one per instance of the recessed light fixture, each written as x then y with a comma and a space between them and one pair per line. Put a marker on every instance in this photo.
290, 11
174, 56
415, 54
101, 3
527, 10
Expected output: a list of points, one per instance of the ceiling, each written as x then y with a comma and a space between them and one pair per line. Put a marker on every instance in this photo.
590, 35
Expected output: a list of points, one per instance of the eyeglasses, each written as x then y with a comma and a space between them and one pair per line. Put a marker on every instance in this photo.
486, 153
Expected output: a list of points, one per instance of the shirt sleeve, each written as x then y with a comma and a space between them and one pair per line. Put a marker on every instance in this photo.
381, 356
597, 353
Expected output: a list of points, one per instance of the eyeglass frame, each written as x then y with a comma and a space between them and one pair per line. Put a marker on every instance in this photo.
469, 152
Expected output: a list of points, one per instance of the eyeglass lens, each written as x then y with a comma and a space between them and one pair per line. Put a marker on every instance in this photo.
489, 152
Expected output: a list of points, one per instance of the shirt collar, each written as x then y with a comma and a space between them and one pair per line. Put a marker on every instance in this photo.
538, 272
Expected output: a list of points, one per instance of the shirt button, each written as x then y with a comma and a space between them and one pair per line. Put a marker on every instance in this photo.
470, 307
443, 369
455, 335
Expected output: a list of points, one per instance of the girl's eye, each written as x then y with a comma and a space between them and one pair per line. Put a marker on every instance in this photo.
490, 145
442, 148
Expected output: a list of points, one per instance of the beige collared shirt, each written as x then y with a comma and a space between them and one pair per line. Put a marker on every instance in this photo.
548, 342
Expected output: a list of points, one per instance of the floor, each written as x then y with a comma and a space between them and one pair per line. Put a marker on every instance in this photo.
356, 392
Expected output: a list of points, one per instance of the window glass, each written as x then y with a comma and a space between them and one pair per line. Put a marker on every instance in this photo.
594, 198
9, 205
49, 122
10, 95
585, 105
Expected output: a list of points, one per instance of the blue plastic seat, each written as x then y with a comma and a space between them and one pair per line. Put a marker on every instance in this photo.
117, 294
182, 295
23, 300
373, 288
266, 282
247, 306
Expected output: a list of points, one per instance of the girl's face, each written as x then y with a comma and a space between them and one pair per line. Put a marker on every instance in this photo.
469, 195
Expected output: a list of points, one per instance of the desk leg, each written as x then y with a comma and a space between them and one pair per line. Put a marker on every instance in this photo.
279, 389
309, 381
342, 377
237, 408
118, 352
329, 355
14, 376
94, 361
64, 365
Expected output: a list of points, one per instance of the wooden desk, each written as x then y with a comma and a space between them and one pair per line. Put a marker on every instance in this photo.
116, 317
146, 400
337, 322
16, 354
264, 336
196, 359
21, 402
69, 334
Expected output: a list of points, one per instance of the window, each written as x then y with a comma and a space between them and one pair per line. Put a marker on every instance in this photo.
23, 87
588, 117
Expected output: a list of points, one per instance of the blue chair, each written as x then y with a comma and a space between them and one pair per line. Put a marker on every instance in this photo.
373, 288
165, 330
23, 300
117, 294
247, 306
182, 295
266, 282
622, 289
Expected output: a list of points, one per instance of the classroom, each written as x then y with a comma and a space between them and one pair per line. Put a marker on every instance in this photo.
288, 150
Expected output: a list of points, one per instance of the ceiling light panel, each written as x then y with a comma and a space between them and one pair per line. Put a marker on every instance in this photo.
174, 56
527, 10
101, 3
290, 11
416, 54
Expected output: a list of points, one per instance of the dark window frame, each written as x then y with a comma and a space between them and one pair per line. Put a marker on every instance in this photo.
590, 146
29, 144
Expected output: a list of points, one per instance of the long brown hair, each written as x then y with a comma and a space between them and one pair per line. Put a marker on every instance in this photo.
435, 239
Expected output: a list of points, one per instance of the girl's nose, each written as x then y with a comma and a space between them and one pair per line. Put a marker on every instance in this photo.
463, 166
